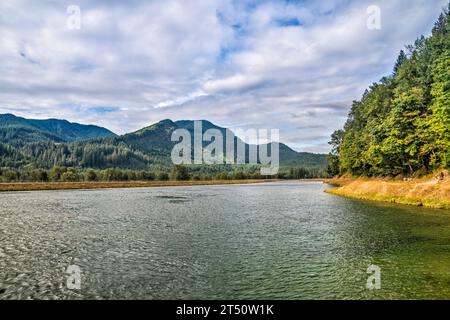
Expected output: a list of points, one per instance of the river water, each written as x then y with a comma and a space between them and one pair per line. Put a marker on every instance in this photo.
281, 240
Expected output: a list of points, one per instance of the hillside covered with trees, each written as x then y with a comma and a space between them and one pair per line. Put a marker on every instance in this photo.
57, 150
401, 125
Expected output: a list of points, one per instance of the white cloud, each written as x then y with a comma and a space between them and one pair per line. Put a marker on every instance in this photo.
237, 82
181, 100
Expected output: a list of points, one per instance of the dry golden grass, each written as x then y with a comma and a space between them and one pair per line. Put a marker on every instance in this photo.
432, 192
29, 186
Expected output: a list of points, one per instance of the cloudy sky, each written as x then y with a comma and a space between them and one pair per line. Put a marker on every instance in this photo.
291, 65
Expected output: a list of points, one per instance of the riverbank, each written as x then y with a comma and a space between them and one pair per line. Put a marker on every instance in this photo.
31, 186
431, 191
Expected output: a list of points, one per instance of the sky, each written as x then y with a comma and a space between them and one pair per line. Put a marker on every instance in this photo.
295, 66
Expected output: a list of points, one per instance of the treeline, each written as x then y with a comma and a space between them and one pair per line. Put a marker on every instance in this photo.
64, 174
98, 153
402, 124
178, 172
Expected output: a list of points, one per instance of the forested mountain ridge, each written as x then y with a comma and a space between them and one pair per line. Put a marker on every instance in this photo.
23, 144
155, 141
401, 125
17, 129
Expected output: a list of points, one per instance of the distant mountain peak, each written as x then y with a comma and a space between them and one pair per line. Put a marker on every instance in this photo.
7, 115
189, 125
203, 121
52, 129
165, 122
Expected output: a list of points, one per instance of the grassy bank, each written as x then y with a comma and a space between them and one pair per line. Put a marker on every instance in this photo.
432, 191
29, 186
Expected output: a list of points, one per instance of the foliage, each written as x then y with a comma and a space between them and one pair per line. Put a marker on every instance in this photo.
180, 172
401, 125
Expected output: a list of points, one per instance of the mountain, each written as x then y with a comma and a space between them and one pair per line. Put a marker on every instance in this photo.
156, 140
153, 140
288, 156
17, 129
46, 143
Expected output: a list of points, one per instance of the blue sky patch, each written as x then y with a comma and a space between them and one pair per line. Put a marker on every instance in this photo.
103, 109
288, 22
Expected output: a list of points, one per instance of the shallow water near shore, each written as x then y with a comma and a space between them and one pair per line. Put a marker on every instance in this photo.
279, 240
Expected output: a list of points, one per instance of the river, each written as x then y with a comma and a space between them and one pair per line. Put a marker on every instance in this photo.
280, 240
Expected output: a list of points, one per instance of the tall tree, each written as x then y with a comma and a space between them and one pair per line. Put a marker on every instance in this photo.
402, 124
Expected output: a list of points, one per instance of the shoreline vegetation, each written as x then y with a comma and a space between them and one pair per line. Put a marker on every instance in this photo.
400, 128
429, 191
35, 186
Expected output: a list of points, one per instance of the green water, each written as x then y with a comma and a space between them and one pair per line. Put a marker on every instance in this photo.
283, 240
